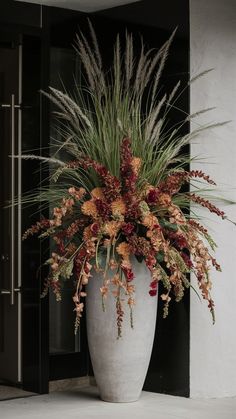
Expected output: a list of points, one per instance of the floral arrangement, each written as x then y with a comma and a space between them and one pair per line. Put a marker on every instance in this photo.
120, 189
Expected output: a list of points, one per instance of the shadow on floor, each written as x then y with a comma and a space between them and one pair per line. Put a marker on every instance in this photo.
8, 392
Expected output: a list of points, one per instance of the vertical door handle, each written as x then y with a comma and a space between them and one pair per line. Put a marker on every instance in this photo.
12, 107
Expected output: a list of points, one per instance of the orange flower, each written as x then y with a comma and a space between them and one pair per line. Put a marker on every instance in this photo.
116, 280
136, 164
123, 249
67, 203
118, 207
126, 264
111, 228
87, 233
77, 193
97, 193
104, 291
150, 221
89, 208
164, 200
60, 212
176, 216
155, 239
90, 246
130, 288
131, 302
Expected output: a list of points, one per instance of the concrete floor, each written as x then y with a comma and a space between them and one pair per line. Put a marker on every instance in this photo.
9, 392
85, 404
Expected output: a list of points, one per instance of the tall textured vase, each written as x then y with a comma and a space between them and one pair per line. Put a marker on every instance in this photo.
120, 365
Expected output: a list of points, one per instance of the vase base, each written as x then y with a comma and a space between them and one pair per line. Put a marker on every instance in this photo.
117, 399
104, 399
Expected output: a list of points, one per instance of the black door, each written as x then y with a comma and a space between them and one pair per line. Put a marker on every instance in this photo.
10, 218
27, 356
68, 353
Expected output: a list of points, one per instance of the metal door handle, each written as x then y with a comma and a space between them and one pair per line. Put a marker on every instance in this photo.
12, 106
12, 298
3, 292
7, 105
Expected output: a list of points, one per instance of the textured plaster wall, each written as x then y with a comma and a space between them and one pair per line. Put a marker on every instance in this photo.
213, 45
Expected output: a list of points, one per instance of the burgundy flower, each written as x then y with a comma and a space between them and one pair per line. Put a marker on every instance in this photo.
128, 228
153, 285
102, 171
82, 253
132, 178
126, 142
102, 208
178, 239
127, 172
187, 260
152, 196
116, 183
129, 274
182, 243
153, 293
150, 261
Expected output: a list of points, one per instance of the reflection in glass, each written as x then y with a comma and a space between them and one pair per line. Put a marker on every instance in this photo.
63, 68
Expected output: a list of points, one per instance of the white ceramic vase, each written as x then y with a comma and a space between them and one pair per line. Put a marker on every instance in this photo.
120, 365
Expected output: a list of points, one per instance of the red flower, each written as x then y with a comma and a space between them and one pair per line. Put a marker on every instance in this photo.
128, 228
153, 293
187, 260
150, 261
153, 285
82, 253
126, 142
178, 239
116, 183
101, 170
127, 172
152, 196
102, 208
129, 274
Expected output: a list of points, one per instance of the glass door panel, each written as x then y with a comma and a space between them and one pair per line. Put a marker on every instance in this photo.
10, 218
61, 315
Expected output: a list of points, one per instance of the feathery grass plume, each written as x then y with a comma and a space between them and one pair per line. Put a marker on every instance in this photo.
163, 53
129, 63
34, 157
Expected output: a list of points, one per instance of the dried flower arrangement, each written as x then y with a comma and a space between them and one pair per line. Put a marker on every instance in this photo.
118, 191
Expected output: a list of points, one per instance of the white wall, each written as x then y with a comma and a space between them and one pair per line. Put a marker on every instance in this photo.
213, 44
